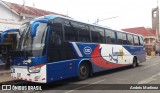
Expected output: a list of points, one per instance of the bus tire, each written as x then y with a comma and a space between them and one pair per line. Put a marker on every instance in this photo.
135, 63
83, 71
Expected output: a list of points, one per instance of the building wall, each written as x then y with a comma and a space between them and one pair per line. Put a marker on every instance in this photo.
150, 44
8, 14
8, 19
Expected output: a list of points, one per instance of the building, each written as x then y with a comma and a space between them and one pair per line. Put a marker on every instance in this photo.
156, 26
12, 15
149, 37
157, 42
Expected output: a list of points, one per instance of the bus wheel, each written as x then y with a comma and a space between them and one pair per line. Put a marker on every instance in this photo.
135, 64
83, 71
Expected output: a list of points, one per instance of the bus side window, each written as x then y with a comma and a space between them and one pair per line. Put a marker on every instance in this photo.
110, 36
83, 33
141, 41
56, 39
119, 38
56, 34
97, 34
136, 40
130, 39
55, 47
124, 38
71, 31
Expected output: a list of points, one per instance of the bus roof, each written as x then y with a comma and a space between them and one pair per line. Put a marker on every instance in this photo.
52, 16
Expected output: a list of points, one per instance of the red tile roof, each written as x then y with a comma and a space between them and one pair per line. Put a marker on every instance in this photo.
153, 31
139, 30
29, 10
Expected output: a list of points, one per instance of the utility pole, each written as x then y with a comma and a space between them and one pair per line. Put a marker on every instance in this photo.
23, 2
157, 44
34, 5
157, 22
67, 13
98, 20
22, 6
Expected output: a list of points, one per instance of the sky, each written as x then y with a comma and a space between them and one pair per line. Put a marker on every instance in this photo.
117, 14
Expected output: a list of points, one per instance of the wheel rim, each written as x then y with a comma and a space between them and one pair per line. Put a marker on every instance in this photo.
134, 64
83, 70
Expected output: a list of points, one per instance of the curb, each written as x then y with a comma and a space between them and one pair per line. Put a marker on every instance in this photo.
5, 72
8, 81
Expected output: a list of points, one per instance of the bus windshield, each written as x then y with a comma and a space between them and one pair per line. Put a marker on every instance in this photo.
23, 30
32, 46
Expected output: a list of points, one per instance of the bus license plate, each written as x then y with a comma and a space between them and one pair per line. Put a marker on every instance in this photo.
18, 75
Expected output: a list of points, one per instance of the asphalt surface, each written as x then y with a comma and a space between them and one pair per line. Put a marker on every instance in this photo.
147, 73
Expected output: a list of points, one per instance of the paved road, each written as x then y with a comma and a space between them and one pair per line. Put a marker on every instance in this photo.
146, 73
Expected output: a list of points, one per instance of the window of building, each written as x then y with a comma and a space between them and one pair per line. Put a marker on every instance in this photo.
155, 14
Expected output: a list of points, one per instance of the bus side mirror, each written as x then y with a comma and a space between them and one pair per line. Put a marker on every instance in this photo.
33, 29
34, 26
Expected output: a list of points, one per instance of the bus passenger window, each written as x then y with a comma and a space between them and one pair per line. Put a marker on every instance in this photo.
108, 40
83, 33
141, 41
119, 38
56, 34
130, 39
136, 41
110, 36
124, 38
71, 30
56, 40
97, 35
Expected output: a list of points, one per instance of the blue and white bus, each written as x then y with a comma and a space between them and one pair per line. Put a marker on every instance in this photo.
53, 48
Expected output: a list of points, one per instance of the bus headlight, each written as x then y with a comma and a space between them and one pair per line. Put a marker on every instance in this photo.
35, 69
